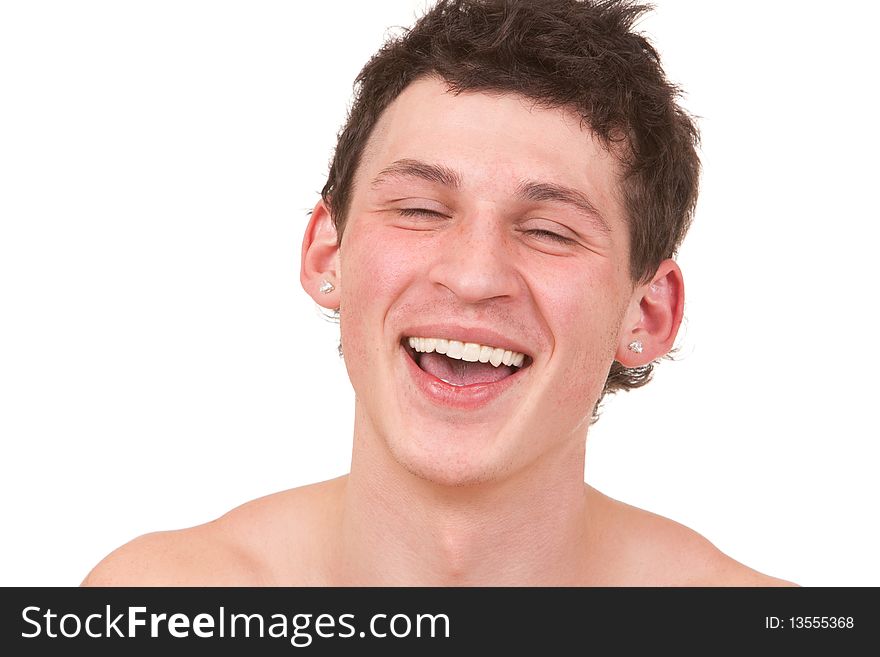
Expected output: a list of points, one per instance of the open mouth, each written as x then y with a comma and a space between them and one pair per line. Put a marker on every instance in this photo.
464, 363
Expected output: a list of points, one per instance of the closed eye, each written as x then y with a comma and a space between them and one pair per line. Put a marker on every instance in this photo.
536, 232
554, 237
419, 212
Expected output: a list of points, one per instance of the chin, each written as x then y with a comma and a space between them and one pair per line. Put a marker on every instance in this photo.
464, 468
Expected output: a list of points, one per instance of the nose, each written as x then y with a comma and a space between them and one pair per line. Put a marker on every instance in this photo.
474, 260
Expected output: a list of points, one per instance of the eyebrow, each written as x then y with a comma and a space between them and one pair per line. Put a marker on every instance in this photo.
528, 189
543, 191
408, 168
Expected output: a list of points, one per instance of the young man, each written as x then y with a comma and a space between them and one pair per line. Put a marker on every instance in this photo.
496, 234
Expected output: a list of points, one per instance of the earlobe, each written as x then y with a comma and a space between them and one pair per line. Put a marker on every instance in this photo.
319, 267
654, 317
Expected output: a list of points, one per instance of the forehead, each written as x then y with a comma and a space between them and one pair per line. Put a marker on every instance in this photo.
495, 140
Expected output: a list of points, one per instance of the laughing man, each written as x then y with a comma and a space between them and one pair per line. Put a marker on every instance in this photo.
496, 233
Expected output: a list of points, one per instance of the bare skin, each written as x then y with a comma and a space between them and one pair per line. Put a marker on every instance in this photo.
293, 538
463, 227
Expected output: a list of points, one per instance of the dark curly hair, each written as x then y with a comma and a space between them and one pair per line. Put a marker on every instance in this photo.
578, 54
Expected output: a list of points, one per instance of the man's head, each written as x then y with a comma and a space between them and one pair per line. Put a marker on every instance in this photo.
516, 175
558, 53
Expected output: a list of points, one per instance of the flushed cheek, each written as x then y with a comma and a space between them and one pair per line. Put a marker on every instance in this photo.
584, 328
373, 274
581, 306
374, 270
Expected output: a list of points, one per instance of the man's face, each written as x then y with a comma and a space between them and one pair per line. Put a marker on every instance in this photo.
484, 219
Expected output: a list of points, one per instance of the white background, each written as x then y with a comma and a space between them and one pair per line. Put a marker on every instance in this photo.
160, 364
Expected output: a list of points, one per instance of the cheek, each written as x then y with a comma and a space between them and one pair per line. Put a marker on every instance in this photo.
583, 306
374, 265
584, 313
374, 268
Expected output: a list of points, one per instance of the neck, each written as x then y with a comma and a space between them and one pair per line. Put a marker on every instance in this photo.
525, 528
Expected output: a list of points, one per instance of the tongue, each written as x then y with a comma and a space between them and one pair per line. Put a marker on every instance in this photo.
461, 372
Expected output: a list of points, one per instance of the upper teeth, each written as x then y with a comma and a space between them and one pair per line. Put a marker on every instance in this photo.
469, 351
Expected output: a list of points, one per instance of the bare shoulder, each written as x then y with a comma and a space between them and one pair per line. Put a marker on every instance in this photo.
652, 550
255, 544
196, 556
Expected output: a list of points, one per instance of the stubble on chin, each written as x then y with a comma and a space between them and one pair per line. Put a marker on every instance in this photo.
448, 468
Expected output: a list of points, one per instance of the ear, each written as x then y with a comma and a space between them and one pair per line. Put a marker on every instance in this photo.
320, 258
653, 317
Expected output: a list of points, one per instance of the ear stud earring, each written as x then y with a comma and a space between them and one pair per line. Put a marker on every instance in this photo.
635, 346
326, 287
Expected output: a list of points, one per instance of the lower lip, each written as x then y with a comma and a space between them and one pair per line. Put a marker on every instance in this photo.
467, 397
